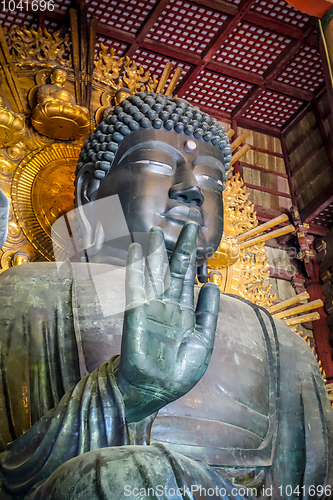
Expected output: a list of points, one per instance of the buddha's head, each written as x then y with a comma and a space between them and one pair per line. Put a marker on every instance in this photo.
166, 161
20, 258
58, 76
121, 95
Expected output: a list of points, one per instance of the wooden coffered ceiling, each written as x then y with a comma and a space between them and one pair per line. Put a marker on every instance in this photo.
252, 63
256, 61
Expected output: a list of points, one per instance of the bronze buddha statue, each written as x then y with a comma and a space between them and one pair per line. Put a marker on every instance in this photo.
56, 114
247, 411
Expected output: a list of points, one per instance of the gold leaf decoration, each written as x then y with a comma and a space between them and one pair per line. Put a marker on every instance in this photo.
122, 72
239, 215
31, 46
241, 271
107, 67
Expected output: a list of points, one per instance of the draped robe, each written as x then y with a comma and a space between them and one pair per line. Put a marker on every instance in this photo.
260, 407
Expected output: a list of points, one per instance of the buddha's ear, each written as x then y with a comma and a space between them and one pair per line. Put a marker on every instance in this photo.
87, 184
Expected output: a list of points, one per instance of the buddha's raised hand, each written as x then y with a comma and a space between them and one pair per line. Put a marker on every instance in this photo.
166, 344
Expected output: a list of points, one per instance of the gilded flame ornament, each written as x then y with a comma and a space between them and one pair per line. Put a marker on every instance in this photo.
241, 271
122, 72
28, 47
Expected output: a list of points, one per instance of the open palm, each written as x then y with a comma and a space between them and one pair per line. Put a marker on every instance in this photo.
166, 344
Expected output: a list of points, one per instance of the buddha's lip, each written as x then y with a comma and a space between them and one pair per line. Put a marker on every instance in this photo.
184, 213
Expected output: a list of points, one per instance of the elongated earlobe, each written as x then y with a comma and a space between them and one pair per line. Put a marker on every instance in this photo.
86, 192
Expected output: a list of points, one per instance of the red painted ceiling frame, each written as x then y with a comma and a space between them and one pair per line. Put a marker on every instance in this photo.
316, 8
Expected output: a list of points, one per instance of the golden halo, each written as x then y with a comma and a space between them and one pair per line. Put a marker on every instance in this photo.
43, 190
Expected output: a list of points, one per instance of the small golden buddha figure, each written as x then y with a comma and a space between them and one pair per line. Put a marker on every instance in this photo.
12, 125
57, 115
119, 96
20, 258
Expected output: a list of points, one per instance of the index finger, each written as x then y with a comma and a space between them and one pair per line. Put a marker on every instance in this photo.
135, 293
180, 260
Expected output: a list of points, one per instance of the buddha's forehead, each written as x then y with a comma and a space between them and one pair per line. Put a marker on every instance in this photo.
59, 71
180, 147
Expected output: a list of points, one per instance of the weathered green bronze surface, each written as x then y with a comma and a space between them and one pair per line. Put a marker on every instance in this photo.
248, 409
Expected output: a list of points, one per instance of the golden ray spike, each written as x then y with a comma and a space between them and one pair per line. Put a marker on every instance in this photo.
240, 153
303, 319
230, 133
262, 227
237, 142
289, 302
164, 77
174, 80
267, 236
9, 70
299, 309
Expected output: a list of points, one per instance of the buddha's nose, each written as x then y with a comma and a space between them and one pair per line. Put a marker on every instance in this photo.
186, 189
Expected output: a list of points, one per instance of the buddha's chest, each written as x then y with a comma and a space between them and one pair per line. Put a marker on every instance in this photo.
236, 385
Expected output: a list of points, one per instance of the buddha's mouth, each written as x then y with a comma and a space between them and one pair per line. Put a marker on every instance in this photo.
183, 213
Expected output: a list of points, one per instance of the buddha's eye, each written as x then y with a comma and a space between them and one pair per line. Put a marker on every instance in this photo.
154, 166
209, 181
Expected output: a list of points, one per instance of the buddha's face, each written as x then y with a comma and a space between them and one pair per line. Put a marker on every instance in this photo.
165, 179
121, 96
59, 77
20, 258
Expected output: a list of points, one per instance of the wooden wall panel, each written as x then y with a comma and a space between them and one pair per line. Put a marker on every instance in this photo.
262, 140
264, 160
314, 167
317, 187
313, 142
265, 155
308, 124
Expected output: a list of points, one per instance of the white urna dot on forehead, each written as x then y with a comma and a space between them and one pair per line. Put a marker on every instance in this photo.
190, 146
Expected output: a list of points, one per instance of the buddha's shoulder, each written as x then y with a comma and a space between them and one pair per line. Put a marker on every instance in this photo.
51, 274
238, 311
30, 273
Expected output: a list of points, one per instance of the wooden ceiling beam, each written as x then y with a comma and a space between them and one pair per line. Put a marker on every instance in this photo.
288, 170
147, 26
273, 72
223, 33
265, 214
170, 51
225, 116
273, 24
220, 5
234, 72
291, 91
115, 33
262, 128
317, 205
318, 230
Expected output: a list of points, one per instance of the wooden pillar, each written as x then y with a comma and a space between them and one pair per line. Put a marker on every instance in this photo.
325, 28
321, 331
234, 137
